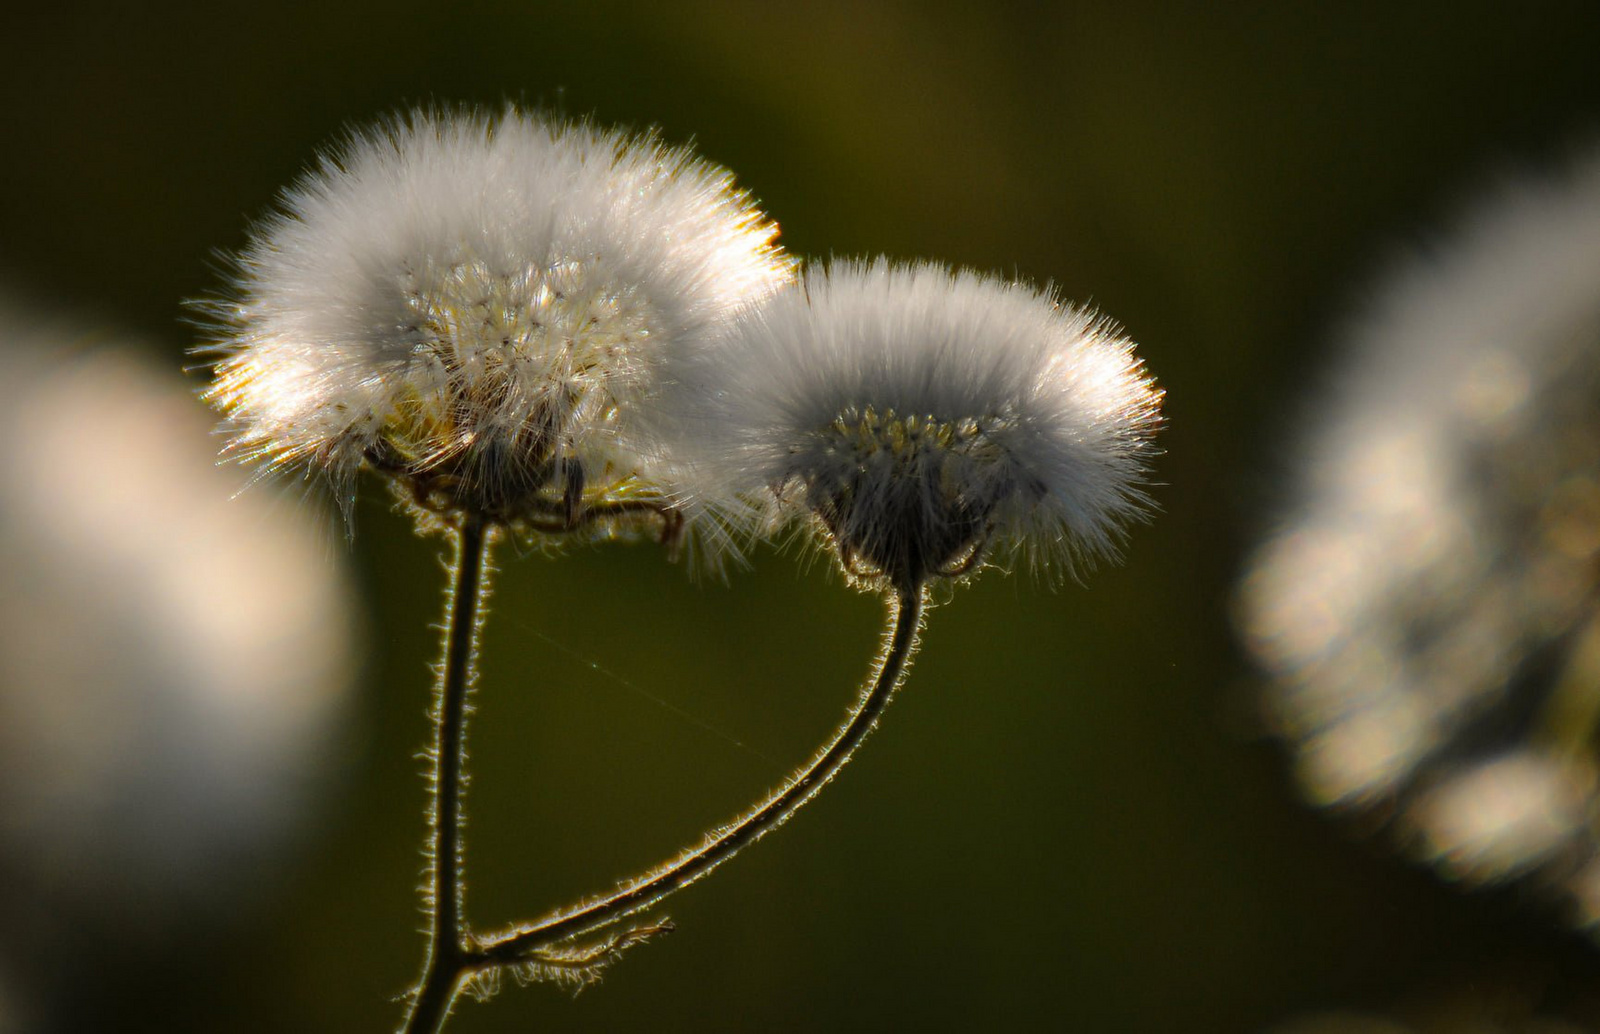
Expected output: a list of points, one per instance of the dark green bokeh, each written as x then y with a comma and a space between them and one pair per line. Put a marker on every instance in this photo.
1066, 821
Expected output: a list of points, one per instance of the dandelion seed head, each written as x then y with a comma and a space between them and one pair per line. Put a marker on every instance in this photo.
472, 304
921, 417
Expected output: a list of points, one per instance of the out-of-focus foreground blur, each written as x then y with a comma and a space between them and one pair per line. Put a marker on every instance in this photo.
1097, 809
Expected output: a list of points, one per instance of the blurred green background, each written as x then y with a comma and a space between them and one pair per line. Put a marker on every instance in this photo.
1069, 820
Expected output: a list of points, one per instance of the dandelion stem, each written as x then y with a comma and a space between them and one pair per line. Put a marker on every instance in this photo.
445, 888
904, 624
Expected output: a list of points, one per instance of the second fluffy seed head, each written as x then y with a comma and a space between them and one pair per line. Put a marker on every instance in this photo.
922, 417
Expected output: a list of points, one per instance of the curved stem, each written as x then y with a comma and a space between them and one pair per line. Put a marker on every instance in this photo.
445, 888
906, 609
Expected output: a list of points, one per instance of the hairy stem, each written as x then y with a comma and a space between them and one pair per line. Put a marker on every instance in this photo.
444, 888
906, 609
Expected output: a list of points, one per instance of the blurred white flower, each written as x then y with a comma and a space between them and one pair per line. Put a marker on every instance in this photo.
1429, 608
924, 417
172, 665
471, 304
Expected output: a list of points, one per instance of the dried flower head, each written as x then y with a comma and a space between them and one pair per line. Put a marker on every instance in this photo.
471, 304
922, 417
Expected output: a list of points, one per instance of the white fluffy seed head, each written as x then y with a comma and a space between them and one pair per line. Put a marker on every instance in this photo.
1426, 605
472, 304
922, 417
